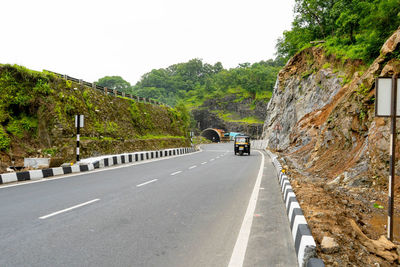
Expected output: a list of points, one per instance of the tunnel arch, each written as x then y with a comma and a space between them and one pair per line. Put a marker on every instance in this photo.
211, 134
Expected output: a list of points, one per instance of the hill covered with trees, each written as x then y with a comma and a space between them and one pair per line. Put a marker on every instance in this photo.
236, 95
354, 29
195, 81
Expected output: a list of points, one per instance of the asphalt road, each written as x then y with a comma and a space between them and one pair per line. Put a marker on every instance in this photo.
182, 211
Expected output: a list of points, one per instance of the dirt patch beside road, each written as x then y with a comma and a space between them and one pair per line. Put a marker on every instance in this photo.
330, 210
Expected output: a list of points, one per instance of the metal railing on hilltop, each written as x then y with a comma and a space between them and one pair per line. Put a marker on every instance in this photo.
108, 91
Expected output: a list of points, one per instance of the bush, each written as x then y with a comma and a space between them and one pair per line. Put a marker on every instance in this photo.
18, 127
4, 139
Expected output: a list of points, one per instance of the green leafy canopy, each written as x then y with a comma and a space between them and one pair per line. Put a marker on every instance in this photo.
351, 28
195, 81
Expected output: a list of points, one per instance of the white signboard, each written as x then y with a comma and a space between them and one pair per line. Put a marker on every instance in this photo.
81, 120
383, 97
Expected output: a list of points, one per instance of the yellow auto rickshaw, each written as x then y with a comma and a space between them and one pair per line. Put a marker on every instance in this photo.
242, 144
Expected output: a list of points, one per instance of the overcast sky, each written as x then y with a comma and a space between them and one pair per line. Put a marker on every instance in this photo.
91, 39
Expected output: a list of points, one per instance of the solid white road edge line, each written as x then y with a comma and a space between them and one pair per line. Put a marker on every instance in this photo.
152, 181
239, 251
192, 167
174, 173
68, 209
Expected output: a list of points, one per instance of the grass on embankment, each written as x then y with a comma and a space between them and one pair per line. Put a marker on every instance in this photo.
37, 111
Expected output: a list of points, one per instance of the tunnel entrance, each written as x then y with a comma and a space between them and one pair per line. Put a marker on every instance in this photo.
211, 134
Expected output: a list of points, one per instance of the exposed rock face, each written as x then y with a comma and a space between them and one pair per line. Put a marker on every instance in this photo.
207, 119
337, 152
297, 95
326, 120
240, 108
206, 115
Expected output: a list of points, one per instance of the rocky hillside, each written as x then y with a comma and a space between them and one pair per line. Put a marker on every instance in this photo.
37, 120
321, 120
231, 115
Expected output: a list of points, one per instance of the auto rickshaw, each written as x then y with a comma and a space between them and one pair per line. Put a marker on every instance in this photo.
242, 144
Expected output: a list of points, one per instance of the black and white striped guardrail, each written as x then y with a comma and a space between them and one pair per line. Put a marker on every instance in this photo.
303, 240
101, 163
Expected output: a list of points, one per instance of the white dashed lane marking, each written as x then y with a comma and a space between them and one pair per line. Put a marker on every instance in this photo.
175, 173
192, 167
68, 209
205, 162
148, 182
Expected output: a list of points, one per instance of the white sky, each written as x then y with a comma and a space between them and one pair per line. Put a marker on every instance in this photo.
89, 39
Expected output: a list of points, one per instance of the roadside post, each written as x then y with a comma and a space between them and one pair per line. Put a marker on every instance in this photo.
191, 138
79, 122
387, 104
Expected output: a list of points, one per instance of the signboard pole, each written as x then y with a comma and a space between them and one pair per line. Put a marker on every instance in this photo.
79, 121
386, 105
393, 138
78, 127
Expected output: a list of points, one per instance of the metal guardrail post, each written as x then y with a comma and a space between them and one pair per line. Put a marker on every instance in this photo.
115, 92
105, 91
123, 94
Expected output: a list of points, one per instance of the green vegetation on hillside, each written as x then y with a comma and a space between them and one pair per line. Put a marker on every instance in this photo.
115, 82
195, 81
21, 91
353, 29
37, 111
232, 117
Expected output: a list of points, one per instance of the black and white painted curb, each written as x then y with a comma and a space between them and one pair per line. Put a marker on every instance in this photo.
303, 240
100, 163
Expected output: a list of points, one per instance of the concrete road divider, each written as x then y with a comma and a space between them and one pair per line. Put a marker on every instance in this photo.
93, 163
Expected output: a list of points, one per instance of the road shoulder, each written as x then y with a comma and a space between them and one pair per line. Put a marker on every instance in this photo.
270, 242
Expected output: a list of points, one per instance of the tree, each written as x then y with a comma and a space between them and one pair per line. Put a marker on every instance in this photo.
115, 82
351, 28
195, 81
